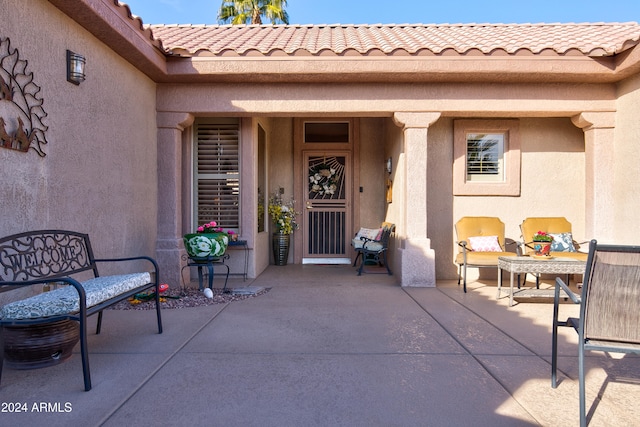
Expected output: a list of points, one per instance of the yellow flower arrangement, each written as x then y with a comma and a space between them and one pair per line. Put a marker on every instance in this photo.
283, 214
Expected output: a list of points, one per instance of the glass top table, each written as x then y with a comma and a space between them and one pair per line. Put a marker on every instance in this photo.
527, 264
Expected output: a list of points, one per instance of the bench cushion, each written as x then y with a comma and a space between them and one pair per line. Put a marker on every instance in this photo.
370, 246
65, 300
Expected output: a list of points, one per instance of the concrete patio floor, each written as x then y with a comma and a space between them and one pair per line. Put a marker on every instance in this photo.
325, 347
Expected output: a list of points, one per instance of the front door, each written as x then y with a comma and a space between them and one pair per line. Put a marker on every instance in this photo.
327, 207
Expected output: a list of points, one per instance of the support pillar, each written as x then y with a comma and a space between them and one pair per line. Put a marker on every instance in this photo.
169, 246
416, 258
599, 129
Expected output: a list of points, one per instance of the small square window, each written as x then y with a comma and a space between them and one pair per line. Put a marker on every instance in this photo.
487, 158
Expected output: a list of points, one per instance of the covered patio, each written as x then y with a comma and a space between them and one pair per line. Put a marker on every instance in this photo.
326, 347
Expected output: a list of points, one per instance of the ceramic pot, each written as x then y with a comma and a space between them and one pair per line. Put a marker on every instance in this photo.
542, 248
204, 245
280, 248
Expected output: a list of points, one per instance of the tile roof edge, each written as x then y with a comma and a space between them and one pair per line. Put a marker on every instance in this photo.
144, 28
486, 24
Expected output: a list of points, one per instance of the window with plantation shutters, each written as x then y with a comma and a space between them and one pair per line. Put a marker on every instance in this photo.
485, 154
217, 173
486, 157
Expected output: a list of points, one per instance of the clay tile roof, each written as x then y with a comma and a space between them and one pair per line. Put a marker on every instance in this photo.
592, 39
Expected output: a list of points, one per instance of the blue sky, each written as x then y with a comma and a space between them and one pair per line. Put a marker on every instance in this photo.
404, 11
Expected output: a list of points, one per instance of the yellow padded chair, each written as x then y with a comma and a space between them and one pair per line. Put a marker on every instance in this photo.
555, 225
468, 229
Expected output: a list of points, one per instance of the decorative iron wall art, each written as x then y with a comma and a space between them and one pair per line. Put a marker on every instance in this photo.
21, 111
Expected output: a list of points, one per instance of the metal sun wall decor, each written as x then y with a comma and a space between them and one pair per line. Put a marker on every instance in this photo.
326, 177
21, 111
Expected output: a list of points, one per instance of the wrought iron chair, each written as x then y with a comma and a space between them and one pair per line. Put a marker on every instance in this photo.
468, 230
609, 315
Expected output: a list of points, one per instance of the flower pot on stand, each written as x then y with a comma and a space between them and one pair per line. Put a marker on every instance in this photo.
205, 245
281, 248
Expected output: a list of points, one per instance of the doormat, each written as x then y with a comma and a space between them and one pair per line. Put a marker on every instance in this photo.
248, 290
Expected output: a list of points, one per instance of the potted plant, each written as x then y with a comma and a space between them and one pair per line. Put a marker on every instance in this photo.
283, 215
209, 240
542, 243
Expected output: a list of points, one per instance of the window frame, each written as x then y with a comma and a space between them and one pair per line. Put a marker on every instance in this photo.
510, 168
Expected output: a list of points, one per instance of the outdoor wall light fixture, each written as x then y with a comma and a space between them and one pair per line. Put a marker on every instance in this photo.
75, 67
389, 165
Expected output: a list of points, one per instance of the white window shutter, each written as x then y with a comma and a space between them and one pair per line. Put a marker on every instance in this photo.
218, 174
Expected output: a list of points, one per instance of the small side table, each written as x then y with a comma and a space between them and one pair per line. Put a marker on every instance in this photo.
209, 262
245, 247
526, 264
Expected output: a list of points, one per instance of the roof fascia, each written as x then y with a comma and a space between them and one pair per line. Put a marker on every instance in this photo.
628, 63
114, 25
280, 69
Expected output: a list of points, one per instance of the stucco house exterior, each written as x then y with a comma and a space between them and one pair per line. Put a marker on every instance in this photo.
175, 124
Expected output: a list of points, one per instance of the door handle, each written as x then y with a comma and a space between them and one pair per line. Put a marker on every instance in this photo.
309, 206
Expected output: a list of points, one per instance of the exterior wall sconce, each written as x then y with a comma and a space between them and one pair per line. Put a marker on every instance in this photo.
389, 165
75, 67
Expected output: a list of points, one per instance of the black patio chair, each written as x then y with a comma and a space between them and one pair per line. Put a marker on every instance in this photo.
609, 308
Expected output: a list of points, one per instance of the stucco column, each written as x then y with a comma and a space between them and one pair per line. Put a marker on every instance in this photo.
416, 258
599, 129
169, 246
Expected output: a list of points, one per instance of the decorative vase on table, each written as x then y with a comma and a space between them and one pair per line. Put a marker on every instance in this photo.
205, 245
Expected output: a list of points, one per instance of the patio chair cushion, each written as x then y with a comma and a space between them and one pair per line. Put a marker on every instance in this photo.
484, 244
562, 242
65, 300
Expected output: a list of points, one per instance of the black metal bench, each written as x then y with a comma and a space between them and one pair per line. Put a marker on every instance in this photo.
51, 257
373, 249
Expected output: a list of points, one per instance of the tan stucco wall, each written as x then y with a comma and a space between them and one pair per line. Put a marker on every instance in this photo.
372, 174
280, 169
102, 151
627, 169
99, 174
549, 141
551, 146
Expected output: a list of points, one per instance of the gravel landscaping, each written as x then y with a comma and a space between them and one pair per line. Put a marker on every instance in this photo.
184, 298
